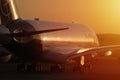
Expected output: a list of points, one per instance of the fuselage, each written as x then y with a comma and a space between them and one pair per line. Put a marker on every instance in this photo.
51, 46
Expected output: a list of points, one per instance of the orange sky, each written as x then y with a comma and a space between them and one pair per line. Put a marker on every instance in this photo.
102, 15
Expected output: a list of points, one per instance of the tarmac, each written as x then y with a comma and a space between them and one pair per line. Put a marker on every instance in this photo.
103, 69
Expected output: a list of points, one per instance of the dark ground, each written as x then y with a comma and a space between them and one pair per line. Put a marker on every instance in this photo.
103, 69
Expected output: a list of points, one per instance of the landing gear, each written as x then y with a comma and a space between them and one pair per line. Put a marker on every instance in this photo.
39, 67
47, 67
88, 66
57, 68
26, 67
82, 68
77, 69
20, 67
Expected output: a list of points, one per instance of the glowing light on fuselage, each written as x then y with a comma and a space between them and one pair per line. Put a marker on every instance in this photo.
82, 61
13, 9
108, 53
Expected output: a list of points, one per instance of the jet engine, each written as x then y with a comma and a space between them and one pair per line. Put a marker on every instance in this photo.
4, 34
5, 55
5, 58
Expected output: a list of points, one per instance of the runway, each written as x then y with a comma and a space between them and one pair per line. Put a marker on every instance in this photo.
101, 70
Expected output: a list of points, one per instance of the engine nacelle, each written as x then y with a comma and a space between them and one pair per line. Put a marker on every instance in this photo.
4, 34
5, 58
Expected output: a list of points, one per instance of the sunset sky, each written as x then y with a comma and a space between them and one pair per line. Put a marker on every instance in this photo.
102, 15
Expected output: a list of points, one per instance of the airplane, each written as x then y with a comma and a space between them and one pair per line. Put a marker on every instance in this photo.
35, 41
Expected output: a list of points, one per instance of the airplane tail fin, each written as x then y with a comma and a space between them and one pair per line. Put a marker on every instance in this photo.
7, 11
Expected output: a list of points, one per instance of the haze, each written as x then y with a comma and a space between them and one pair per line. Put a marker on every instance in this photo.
102, 15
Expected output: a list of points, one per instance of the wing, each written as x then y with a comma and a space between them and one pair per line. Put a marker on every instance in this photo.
98, 50
5, 55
